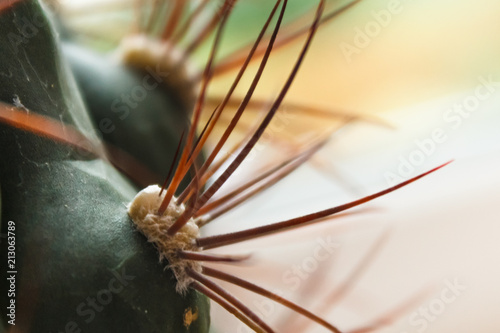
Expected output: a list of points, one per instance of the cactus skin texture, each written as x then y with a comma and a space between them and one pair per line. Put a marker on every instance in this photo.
105, 83
81, 265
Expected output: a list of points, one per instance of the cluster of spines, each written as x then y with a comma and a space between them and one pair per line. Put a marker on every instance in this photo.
197, 200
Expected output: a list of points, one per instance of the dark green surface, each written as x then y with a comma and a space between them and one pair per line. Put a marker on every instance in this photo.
130, 108
73, 234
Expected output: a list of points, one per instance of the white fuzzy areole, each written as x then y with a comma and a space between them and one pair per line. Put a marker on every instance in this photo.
143, 210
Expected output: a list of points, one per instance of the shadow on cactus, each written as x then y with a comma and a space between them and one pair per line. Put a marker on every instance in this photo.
86, 243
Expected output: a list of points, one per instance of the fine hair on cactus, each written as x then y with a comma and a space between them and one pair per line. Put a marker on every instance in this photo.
87, 219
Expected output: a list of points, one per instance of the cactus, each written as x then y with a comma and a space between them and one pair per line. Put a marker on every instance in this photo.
81, 264
87, 244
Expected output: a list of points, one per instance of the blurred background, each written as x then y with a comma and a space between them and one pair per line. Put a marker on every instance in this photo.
430, 71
